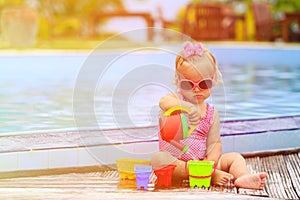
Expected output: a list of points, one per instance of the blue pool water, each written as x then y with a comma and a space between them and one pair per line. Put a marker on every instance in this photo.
53, 91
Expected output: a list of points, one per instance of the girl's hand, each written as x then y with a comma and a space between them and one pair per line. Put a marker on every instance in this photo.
194, 115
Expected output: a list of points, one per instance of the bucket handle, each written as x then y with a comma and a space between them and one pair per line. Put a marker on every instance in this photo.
181, 108
192, 176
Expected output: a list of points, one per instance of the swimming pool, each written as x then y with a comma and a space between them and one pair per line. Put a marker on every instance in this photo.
37, 90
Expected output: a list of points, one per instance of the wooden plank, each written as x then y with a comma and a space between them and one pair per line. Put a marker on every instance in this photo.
274, 181
292, 162
254, 166
282, 183
56, 171
268, 187
92, 194
289, 190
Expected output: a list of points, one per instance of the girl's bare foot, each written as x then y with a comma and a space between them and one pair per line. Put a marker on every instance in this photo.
251, 181
221, 178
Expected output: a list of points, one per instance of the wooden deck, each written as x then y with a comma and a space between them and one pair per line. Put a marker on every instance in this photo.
102, 183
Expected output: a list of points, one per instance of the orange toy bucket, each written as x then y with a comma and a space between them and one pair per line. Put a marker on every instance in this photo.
164, 176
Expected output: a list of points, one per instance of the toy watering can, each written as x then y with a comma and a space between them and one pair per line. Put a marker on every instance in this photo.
174, 127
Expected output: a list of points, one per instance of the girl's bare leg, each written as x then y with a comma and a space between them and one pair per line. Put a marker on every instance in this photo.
230, 166
165, 158
180, 172
235, 164
221, 178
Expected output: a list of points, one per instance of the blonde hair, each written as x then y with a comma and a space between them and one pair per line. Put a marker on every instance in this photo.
195, 61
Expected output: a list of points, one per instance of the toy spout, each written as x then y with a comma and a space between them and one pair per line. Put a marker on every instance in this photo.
174, 127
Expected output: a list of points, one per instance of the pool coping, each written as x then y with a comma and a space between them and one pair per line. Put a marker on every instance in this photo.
70, 138
81, 148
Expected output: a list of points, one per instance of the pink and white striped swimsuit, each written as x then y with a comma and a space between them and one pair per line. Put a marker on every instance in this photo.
196, 141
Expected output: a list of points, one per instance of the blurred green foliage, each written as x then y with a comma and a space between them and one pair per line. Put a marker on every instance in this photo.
278, 5
286, 5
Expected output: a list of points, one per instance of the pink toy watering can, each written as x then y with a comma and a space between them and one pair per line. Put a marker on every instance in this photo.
174, 127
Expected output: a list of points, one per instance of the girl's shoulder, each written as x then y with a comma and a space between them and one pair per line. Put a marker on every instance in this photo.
214, 114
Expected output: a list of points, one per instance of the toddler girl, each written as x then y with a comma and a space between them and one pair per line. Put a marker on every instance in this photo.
196, 73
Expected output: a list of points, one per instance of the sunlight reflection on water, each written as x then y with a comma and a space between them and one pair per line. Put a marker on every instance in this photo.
37, 92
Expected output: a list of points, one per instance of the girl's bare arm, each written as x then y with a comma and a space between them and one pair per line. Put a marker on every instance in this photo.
214, 144
171, 100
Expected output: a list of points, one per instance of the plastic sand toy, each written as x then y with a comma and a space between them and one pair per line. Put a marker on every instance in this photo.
142, 174
126, 167
174, 127
200, 172
164, 176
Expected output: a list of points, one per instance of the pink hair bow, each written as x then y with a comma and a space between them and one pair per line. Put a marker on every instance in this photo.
191, 50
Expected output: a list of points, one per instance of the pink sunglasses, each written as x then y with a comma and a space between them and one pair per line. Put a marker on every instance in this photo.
203, 84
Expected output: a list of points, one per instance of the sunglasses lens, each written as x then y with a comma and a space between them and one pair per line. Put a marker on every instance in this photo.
186, 85
206, 84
